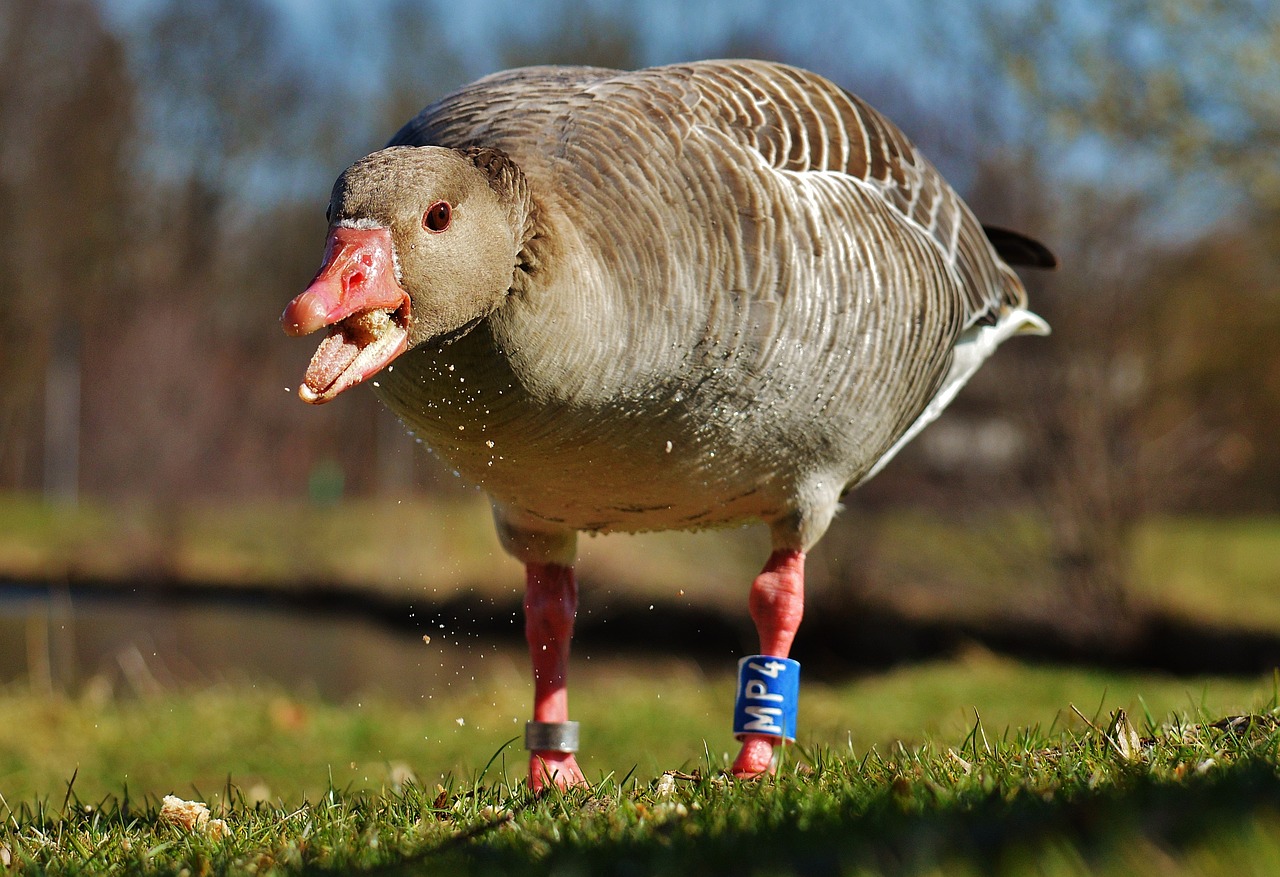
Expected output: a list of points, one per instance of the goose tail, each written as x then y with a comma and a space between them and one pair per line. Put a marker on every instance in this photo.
972, 349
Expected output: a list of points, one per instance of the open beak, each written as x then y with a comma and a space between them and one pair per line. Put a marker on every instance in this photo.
356, 296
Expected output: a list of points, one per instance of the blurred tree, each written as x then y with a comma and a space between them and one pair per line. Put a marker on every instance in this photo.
1194, 84
1086, 398
243, 134
1215, 337
226, 111
418, 66
64, 178
1134, 112
184, 399
577, 32
1156, 391
1179, 101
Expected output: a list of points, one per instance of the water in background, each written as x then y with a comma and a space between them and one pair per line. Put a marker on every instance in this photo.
57, 641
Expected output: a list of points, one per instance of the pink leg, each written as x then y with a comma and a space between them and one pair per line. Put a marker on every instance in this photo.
777, 605
550, 602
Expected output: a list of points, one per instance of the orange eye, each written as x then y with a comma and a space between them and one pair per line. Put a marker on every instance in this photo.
437, 217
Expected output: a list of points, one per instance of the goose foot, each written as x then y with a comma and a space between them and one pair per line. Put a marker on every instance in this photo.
755, 759
554, 769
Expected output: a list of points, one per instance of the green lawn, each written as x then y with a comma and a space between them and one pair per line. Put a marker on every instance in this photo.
307, 787
973, 765
1223, 571
637, 719
1217, 571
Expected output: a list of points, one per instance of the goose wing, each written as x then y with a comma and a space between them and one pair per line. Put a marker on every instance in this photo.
799, 122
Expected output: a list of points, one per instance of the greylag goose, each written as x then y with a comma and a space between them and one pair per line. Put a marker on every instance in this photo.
675, 298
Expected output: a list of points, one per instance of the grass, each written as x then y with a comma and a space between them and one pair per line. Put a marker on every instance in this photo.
638, 719
1223, 571
1191, 797
972, 765
440, 546
1214, 570
895, 774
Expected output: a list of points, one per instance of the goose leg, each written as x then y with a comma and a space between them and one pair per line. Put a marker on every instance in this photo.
550, 603
777, 605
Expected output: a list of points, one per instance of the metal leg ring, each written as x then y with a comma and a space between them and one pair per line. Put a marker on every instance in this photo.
551, 736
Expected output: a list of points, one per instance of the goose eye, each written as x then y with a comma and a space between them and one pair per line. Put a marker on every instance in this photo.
437, 217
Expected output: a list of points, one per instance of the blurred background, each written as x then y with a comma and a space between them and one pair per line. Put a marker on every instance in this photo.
164, 171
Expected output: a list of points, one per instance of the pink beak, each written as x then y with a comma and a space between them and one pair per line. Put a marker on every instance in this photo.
356, 296
357, 275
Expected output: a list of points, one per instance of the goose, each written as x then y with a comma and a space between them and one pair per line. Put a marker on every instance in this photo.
676, 298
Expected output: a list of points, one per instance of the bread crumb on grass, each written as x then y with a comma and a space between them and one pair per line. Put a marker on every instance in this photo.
192, 816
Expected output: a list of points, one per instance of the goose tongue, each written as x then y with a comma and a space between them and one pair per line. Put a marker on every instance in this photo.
354, 294
354, 349
334, 355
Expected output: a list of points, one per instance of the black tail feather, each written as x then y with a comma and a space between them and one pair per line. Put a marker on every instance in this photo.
1018, 249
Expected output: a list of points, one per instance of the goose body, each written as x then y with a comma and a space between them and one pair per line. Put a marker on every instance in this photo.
704, 294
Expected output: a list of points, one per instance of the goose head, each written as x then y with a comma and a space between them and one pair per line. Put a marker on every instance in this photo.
423, 243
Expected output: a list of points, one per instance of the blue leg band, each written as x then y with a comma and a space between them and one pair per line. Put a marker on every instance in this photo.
768, 697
